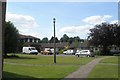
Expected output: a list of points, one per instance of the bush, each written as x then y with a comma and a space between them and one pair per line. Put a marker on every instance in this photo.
61, 51
106, 52
11, 56
97, 53
116, 54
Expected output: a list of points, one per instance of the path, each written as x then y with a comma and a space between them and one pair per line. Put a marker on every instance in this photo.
84, 70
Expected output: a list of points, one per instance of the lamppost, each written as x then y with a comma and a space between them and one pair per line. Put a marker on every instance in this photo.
54, 41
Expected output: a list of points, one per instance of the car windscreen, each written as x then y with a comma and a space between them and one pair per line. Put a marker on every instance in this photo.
33, 49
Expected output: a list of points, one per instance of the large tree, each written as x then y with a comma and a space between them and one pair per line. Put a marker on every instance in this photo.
102, 35
52, 40
71, 40
65, 38
11, 37
117, 34
45, 40
77, 39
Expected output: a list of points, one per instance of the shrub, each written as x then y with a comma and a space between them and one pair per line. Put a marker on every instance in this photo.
61, 51
116, 54
97, 53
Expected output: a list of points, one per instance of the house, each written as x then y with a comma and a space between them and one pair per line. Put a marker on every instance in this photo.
51, 45
83, 45
27, 40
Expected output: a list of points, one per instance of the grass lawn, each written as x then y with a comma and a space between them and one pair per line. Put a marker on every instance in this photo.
113, 60
32, 66
107, 68
38, 71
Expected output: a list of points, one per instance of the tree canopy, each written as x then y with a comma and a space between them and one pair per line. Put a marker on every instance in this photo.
45, 40
104, 35
11, 37
116, 34
65, 38
52, 40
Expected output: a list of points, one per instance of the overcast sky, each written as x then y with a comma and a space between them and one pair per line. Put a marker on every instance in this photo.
72, 18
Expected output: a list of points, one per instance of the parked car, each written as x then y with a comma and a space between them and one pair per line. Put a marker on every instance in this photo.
57, 52
69, 51
77, 51
87, 53
47, 52
29, 50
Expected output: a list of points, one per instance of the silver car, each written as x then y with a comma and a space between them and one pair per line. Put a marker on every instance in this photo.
86, 53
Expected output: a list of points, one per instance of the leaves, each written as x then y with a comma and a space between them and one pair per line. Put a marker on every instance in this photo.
11, 37
105, 35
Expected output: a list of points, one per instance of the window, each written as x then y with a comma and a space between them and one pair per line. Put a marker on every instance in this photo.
25, 39
30, 40
33, 49
29, 49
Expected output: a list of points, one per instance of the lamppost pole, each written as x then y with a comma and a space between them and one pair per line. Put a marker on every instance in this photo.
54, 41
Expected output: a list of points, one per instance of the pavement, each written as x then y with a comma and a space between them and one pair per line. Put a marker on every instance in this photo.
83, 72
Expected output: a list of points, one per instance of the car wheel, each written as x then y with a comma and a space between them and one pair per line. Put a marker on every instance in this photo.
77, 55
88, 55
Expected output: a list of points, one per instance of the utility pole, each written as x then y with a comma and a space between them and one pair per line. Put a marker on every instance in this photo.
54, 41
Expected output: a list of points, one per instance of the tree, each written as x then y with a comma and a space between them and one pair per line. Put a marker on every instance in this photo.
45, 40
52, 40
56, 40
65, 38
102, 35
71, 40
11, 37
116, 30
77, 39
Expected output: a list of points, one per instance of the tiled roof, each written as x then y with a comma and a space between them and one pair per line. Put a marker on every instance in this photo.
52, 44
59, 45
27, 36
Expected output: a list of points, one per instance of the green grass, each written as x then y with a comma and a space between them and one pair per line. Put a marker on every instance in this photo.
39, 71
113, 60
107, 68
33, 59
42, 66
104, 71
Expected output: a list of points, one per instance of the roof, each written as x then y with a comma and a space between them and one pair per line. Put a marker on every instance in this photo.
27, 36
61, 45
49, 45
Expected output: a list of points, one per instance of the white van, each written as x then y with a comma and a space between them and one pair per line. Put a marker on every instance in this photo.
29, 50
